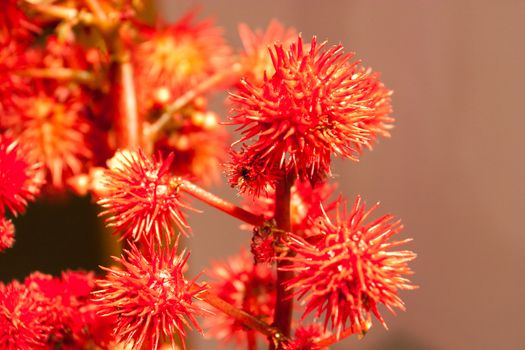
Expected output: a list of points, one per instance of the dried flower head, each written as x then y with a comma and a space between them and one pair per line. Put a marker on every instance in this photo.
7, 234
245, 285
149, 297
141, 199
21, 313
254, 58
174, 59
317, 104
20, 176
349, 271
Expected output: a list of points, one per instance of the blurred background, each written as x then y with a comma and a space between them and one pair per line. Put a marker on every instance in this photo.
453, 169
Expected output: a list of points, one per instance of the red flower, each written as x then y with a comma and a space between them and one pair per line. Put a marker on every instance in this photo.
7, 234
20, 176
174, 59
316, 105
149, 297
69, 313
21, 313
246, 286
254, 58
141, 198
349, 271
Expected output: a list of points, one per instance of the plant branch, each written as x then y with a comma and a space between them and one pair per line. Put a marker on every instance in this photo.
284, 301
189, 96
335, 338
128, 123
242, 316
221, 204
60, 73
63, 12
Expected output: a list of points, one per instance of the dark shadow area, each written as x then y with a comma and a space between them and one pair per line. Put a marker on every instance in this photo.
52, 237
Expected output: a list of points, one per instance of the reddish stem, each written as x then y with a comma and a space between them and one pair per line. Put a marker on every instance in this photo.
221, 204
245, 318
284, 302
128, 125
190, 95
331, 340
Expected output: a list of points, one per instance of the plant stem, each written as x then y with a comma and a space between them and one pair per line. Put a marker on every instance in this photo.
128, 124
252, 341
245, 318
221, 204
284, 302
62, 12
330, 340
189, 96
60, 73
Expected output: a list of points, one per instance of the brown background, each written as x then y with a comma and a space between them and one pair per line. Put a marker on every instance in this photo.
453, 169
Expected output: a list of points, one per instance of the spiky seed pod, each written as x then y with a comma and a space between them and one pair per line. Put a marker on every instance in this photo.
149, 297
347, 273
140, 198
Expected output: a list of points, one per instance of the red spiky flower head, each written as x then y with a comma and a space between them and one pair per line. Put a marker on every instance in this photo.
7, 234
21, 313
305, 338
20, 176
149, 297
246, 286
317, 104
141, 199
350, 271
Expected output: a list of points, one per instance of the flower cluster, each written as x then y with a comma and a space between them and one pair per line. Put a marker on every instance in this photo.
96, 99
46, 312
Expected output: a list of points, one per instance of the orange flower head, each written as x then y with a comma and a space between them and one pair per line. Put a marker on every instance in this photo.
317, 104
347, 273
54, 126
142, 201
149, 297
254, 58
20, 176
174, 59
246, 286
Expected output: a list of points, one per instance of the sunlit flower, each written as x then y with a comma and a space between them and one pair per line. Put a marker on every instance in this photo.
173, 59
317, 104
54, 125
255, 59
246, 286
20, 176
140, 198
149, 297
7, 234
21, 315
350, 271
